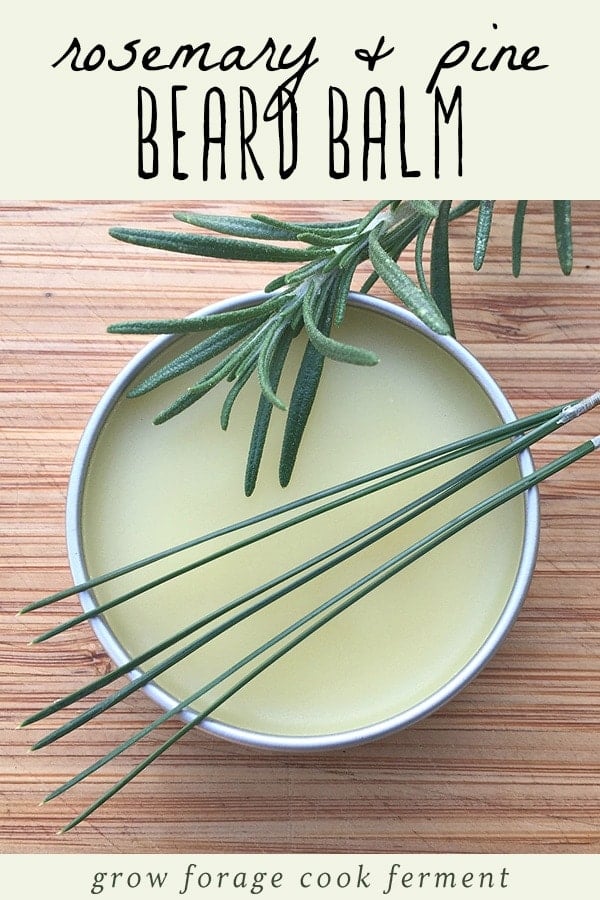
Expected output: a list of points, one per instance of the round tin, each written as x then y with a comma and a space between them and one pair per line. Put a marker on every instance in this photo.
403, 719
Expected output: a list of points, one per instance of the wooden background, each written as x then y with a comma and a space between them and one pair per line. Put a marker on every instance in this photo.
512, 764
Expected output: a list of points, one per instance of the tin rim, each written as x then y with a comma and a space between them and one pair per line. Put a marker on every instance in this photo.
401, 720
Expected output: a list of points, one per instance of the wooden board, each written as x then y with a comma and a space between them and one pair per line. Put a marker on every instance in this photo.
512, 764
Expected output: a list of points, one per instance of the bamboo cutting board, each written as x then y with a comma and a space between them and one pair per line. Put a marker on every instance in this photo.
512, 764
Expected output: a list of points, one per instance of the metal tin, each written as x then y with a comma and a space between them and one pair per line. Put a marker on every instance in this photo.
404, 719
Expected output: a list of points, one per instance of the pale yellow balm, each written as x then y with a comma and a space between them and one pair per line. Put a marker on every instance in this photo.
150, 487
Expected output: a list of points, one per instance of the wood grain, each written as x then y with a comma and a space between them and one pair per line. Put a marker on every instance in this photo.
512, 764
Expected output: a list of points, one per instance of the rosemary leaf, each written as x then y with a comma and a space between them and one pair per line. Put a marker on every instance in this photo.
217, 247
276, 284
394, 241
327, 346
198, 390
296, 228
191, 324
241, 378
563, 234
303, 273
325, 239
461, 209
263, 367
263, 412
207, 349
303, 396
342, 288
348, 256
419, 248
369, 282
397, 238
517, 237
373, 213
236, 226
403, 286
440, 265
482, 232
425, 208
341, 225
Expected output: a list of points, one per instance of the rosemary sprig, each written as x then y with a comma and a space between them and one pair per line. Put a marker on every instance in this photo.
328, 260
312, 298
531, 429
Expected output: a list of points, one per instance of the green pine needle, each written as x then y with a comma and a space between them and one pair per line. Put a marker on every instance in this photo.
529, 430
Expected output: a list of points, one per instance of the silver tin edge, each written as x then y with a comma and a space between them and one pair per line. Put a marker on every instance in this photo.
355, 736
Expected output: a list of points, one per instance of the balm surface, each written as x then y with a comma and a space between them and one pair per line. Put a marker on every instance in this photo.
149, 487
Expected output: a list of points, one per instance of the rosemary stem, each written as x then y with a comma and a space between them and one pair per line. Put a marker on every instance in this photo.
366, 585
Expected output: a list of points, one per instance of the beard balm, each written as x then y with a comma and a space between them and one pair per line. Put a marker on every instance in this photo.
399, 651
